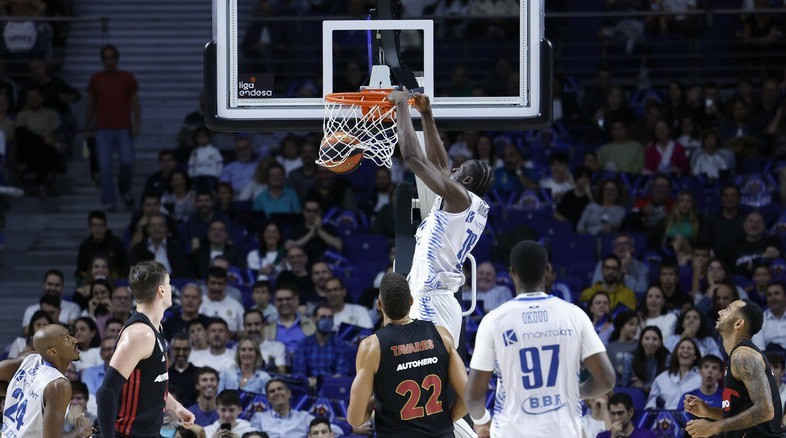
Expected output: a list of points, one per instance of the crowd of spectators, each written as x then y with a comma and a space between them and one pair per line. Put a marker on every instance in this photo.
671, 197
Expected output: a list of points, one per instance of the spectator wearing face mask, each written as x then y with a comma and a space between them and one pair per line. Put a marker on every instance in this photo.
321, 354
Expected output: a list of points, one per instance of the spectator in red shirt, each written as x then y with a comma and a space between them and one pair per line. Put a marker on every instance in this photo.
114, 102
665, 155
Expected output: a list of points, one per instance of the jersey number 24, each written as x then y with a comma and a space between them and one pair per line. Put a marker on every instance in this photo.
16, 412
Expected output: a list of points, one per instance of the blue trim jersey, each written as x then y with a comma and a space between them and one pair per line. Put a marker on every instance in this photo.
535, 344
23, 413
442, 243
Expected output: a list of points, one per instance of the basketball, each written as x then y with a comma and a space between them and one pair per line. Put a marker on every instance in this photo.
340, 144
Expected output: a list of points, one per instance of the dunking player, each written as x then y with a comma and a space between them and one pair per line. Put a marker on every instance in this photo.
536, 343
407, 364
452, 227
133, 395
751, 405
38, 392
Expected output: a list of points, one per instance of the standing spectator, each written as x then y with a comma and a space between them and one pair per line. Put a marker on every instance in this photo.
664, 155
726, 225
277, 197
182, 373
204, 409
681, 377
621, 154
314, 236
321, 355
611, 283
217, 355
772, 335
239, 172
101, 241
205, 162
218, 303
246, 372
114, 102
649, 359
607, 214
158, 182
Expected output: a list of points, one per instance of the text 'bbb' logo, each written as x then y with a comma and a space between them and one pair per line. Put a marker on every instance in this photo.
509, 337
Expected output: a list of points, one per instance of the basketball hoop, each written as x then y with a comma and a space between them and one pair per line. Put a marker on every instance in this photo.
366, 115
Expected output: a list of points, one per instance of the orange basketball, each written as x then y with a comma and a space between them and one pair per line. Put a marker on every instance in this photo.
335, 146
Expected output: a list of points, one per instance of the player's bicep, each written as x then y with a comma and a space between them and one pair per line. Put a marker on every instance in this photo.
748, 366
136, 343
363, 385
483, 356
57, 396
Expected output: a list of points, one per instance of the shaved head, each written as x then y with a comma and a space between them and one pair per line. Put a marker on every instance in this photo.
57, 337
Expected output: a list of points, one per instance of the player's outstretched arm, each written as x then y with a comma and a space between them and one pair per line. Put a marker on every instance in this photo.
435, 149
747, 366
602, 377
457, 374
367, 364
57, 397
8, 368
454, 194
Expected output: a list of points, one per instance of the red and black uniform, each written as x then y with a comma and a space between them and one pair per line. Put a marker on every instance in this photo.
410, 384
736, 400
143, 400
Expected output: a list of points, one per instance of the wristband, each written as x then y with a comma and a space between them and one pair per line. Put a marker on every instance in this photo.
482, 420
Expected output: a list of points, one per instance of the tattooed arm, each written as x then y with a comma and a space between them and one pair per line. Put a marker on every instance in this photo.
747, 366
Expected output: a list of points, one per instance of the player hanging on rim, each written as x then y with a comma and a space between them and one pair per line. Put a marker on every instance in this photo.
38, 392
452, 227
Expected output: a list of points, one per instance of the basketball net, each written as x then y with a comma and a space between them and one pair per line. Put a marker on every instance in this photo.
366, 115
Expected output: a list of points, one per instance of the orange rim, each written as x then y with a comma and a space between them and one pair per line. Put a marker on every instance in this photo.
364, 98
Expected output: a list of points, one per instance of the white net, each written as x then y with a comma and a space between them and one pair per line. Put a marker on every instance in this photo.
374, 127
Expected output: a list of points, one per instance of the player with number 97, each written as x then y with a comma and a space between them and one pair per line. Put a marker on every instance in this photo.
537, 343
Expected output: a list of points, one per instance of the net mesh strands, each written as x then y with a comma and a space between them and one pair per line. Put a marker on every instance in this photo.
367, 116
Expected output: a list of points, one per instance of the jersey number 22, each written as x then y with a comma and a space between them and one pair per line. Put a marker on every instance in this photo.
411, 410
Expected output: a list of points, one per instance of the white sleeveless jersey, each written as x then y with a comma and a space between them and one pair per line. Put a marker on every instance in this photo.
535, 344
24, 401
442, 243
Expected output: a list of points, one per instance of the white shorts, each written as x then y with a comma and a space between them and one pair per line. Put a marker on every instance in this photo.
439, 308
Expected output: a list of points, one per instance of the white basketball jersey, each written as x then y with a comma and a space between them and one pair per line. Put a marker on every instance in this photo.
535, 344
442, 243
24, 401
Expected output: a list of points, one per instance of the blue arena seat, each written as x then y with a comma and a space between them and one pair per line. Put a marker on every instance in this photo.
636, 395
365, 248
